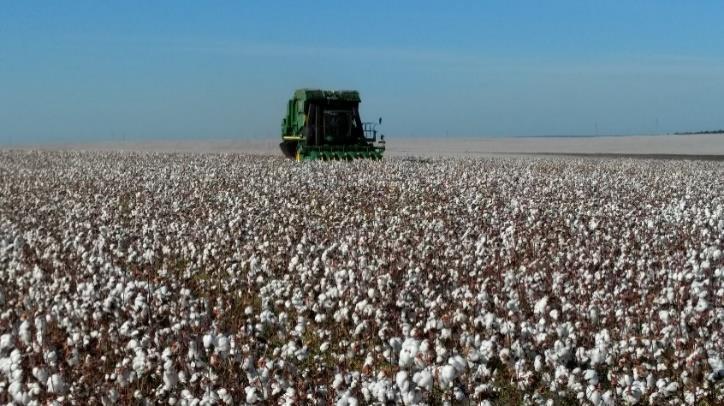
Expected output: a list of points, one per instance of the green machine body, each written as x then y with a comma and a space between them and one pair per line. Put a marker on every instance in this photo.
326, 125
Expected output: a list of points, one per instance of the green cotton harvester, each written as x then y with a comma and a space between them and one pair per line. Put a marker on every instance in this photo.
325, 124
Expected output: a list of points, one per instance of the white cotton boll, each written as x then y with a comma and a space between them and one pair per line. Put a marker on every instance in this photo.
411, 398
424, 347
594, 396
338, 380
458, 363
6, 342
554, 314
632, 395
671, 388
186, 395
716, 254
593, 315
210, 398
290, 397
40, 325
608, 398
56, 384
540, 305
125, 329
132, 345
208, 340
591, 376
139, 363
324, 347
445, 333
597, 356
170, 377
701, 305
395, 343
664, 315
408, 352
488, 349
16, 358
538, 363
222, 345
423, 379
402, 382
40, 374
715, 363
347, 400
24, 332
19, 396
379, 390
193, 352
447, 375
490, 321
251, 395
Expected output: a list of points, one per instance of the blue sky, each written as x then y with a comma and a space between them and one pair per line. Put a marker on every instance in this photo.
88, 70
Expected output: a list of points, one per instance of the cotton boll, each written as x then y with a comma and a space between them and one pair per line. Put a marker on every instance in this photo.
408, 352
540, 305
593, 315
632, 395
411, 398
447, 375
40, 374
16, 392
458, 363
423, 379
591, 376
209, 340
251, 395
402, 382
6, 342
538, 363
664, 316
608, 398
56, 384
594, 396
222, 345
139, 363
347, 400
702, 305
24, 332
671, 388
170, 377
338, 380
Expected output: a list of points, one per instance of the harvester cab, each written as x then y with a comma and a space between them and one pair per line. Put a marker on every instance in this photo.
325, 124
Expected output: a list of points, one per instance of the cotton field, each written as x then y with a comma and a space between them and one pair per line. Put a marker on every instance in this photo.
224, 279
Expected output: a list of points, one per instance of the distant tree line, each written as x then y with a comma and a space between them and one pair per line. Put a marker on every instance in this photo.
700, 132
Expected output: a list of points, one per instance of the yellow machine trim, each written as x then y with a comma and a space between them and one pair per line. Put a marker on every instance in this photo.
292, 138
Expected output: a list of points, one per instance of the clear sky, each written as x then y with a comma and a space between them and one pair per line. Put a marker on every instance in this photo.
79, 71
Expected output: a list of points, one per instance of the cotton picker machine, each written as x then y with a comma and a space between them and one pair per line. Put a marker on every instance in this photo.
325, 124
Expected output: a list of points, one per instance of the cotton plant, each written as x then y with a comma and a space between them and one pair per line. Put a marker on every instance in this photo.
227, 278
